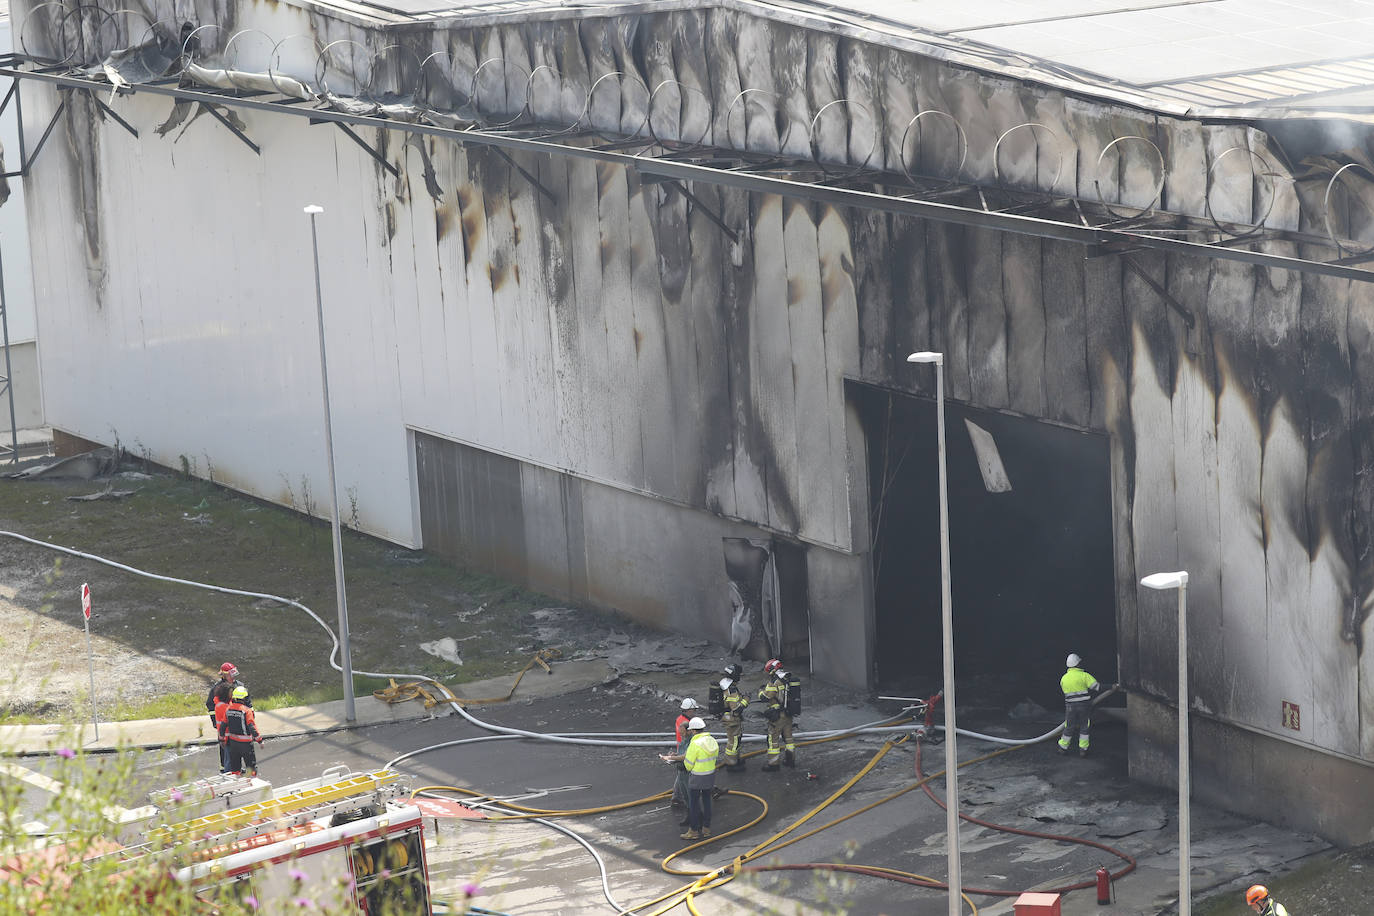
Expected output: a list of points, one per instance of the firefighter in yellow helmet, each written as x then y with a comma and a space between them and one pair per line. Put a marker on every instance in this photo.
1260, 901
1079, 689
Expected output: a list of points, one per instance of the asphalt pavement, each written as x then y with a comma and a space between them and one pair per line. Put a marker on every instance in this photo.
529, 867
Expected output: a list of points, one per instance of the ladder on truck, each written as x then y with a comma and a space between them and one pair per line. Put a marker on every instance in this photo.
289, 810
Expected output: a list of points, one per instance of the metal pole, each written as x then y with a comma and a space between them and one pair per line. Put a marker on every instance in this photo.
1185, 883
947, 623
90, 664
9, 374
345, 655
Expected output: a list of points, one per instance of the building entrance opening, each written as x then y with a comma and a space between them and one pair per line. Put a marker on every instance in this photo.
1030, 547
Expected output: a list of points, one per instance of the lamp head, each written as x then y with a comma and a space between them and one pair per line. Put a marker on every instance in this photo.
312, 209
926, 356
1165, 580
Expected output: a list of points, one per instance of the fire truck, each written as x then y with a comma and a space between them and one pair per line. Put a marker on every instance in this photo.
342, 840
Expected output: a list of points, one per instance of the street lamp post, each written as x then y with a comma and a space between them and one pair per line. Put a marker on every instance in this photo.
345, 655
1179, 580
947, 625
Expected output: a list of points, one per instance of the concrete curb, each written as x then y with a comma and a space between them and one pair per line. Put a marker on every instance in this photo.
47, 738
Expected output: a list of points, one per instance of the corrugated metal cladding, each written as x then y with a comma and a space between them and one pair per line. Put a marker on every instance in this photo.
658, 390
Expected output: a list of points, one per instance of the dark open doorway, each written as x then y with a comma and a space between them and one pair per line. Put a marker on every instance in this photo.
1030, 545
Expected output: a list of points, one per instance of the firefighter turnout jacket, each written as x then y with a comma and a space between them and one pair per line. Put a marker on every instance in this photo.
238, 723
735, 705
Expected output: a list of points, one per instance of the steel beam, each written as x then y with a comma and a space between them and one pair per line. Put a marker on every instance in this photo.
1098, 240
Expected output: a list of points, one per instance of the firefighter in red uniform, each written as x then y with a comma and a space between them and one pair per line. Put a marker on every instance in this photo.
237, 732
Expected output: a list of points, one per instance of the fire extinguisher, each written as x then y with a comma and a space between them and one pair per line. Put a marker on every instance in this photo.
1104, 885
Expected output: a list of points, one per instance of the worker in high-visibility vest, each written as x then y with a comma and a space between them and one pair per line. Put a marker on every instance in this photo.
1260, 901
237, 733
1079, 689
699, 762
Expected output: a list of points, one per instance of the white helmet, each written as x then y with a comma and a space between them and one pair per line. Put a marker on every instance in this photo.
1073, 661
696, 723
725, 683
689, 703
784, 676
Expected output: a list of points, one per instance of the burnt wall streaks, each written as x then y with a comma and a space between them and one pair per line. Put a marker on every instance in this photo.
608, 327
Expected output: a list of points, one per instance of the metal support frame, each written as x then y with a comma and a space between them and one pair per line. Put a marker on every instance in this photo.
233, 128
380, 159
1160, 291
525, 172
26, 163
747, 173
6, 384
706, 211
114, 114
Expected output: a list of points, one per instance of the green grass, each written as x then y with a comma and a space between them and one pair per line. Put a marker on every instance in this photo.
190, 529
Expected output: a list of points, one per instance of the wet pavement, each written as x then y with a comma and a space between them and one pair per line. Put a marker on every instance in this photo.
530, 867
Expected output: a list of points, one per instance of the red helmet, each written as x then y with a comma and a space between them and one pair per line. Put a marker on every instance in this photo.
771, 665
1257, 894
229, 669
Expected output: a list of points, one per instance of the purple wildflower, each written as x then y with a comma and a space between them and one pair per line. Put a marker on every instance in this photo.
297, 875
470, 889
251, 902
67, 753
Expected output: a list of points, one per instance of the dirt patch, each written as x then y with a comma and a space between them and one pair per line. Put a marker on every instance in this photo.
153, 639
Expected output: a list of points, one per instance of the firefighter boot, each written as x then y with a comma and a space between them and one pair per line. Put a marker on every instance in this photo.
692, 835
770, 767
789, 758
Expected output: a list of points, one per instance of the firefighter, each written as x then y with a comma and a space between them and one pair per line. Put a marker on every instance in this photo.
687, 710
775, 699
237, 733
1260, 901
733, 718
1079, 689
219, 696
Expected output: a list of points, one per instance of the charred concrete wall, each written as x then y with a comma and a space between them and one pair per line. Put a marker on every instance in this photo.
591, 324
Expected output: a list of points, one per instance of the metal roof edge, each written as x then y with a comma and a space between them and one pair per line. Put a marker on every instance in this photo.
813, 14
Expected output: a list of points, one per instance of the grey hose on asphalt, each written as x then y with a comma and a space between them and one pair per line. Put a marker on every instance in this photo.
622, 739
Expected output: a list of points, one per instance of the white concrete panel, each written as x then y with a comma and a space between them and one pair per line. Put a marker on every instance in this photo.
774, 451
806, 331
623, 458
1153, 509
204, 333
535, 360
840, 314
591, 363
657, 420
1235, 672
474, 339
1195, 494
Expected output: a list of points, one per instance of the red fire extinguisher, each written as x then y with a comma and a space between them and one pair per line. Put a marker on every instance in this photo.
1104, 885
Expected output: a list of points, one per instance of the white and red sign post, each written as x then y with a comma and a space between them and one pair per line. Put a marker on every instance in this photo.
90, 659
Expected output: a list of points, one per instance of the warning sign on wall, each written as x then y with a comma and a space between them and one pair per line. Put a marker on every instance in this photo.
1292, 716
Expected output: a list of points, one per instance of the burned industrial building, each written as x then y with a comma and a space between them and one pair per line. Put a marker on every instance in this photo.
619, 300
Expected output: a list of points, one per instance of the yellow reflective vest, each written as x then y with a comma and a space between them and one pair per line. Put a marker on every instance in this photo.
701, 755
1077, 684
